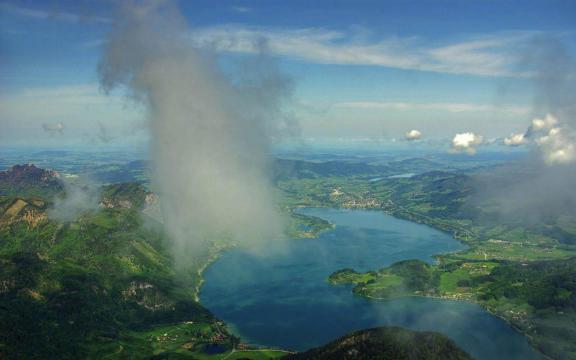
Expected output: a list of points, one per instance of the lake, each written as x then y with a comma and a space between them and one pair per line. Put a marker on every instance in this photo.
283, 299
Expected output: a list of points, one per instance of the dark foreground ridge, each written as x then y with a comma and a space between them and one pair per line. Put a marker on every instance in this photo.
386, 343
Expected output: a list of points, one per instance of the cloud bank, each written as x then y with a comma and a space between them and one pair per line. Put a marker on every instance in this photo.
78, 199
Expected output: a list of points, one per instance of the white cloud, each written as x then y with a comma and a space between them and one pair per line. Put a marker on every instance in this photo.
241, 9
413, 135
466, 142
515, 140
555, 139
557, 147
483, 55
547, 123
488, 55
450, 107
53, 14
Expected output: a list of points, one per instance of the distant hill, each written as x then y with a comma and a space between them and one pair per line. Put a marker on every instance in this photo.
281, 169
133, 171
125, 195
415, 165
386, 343
29, 180
465, 197
300, 169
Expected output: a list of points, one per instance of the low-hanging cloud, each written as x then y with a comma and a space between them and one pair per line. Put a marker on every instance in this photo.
210, 132
555, 139
77, 199
541, 188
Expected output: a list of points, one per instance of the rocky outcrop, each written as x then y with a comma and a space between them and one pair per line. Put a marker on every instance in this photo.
30, 181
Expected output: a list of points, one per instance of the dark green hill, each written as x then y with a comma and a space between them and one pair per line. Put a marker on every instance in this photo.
299, 169
98, 285
126, 195
387, 343
415, 165
463, 198
281, 169
30, 181
133, 171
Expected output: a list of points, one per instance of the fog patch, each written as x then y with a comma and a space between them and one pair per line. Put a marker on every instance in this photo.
541, 188
103, 135
210, 132
57, 128
77, 199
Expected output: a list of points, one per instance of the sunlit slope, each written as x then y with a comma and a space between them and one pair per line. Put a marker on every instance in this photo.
88, 287
103, 284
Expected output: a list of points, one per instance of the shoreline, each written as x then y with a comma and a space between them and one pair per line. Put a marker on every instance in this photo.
419, 219
437, 257
397, 212
218, 251
200, 272
473, 301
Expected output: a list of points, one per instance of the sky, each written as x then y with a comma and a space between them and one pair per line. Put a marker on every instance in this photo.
362, 70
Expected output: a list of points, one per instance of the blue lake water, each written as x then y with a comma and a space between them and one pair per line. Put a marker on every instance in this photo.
283, 300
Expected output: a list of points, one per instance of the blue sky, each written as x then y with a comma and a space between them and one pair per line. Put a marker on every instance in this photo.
362, 69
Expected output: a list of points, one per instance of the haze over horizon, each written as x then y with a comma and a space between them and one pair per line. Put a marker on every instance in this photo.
362, 72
